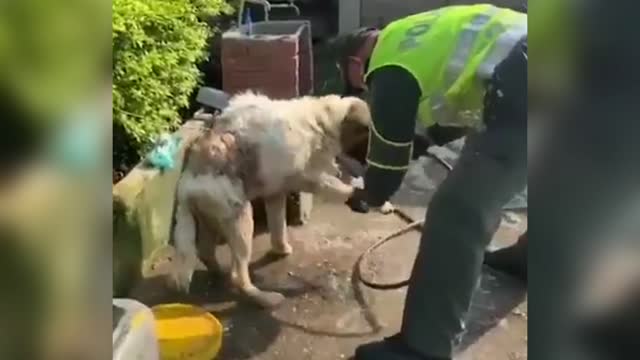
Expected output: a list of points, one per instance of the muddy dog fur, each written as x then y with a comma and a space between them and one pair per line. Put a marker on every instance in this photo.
259, 148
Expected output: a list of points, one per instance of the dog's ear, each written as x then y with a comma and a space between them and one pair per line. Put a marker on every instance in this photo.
358, 111
354, 130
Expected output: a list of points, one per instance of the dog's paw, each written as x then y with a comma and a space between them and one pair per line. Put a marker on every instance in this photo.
268, 299
180, 280
282, 250
180, 285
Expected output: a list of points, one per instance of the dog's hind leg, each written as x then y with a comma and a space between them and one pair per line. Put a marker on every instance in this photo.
208, 240
186, 248
240, 240
276, 207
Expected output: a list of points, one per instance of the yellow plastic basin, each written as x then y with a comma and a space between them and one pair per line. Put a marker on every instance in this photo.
187, 332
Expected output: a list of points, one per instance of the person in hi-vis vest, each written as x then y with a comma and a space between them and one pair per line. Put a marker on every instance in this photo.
458, 66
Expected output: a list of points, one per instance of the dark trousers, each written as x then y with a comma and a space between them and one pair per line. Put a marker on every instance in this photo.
465, 212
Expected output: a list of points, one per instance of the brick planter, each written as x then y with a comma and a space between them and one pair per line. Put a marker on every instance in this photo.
276, 59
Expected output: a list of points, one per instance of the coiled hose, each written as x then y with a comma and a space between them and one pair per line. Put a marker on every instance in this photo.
411, 225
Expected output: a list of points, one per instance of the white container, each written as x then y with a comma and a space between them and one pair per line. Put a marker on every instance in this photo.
134, 332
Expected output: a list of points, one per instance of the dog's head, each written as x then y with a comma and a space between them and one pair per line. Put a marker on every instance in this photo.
348, 121
354, 127
354, 131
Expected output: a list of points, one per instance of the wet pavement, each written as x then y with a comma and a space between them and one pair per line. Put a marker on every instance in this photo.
327, 312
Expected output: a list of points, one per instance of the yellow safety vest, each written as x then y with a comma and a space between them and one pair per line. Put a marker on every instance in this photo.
450, 51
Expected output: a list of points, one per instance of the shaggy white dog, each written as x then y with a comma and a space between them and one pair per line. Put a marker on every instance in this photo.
259, 148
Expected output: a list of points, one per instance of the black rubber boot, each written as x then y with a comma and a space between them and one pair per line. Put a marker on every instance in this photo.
511, 260
391, 348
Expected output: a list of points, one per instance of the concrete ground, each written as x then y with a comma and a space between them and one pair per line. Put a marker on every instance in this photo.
327, 312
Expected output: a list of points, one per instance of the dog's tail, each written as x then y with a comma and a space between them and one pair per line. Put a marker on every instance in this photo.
184, 234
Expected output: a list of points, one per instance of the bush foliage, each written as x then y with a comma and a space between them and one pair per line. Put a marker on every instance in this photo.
157, 46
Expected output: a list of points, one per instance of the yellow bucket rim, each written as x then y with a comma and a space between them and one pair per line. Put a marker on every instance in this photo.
187, 332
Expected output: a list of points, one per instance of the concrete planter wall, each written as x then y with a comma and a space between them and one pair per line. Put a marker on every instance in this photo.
143, 204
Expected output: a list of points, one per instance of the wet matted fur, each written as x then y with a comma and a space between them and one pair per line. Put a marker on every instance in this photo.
259, 148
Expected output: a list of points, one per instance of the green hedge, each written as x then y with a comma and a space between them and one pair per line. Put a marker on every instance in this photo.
157, 46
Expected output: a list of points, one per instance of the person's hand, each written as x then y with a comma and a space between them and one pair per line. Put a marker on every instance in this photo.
358, 201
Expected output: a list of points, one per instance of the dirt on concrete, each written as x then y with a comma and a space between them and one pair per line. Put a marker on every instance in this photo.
328, 313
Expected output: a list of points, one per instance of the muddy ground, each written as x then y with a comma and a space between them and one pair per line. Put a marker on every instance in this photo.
327, 312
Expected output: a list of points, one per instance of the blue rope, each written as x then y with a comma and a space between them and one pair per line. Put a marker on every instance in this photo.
163, 155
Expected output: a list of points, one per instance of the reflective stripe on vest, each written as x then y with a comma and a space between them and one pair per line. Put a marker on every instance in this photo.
501, 48
440, 109
465, 43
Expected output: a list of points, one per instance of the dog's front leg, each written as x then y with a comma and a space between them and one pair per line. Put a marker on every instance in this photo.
276, 208
241, 240
335, 189
328, 186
